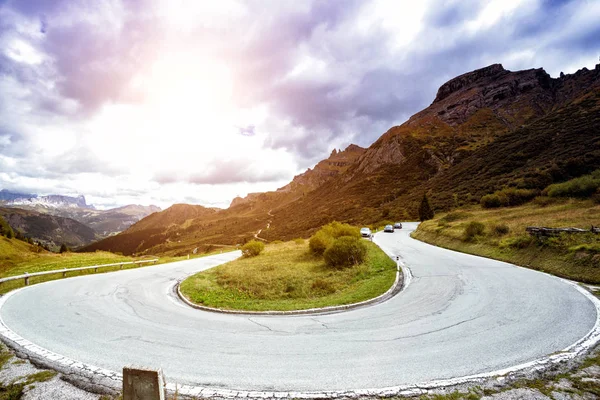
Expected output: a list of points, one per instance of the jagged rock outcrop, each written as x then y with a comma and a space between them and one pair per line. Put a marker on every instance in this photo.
472, 110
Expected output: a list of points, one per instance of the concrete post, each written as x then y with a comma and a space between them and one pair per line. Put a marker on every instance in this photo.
143, 384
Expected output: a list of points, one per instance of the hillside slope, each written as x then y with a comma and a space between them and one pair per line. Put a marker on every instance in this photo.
50, 230
486, 129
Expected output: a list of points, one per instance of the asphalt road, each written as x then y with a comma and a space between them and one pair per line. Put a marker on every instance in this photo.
461, 315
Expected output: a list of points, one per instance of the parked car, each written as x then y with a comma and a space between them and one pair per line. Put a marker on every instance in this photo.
388, 228
365, 232
398, 225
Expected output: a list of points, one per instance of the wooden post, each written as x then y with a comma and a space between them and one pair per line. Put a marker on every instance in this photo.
121, 266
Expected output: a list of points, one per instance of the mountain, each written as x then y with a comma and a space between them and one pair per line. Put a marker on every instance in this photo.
103, 222
6, 195
485, 130
50, 201
50, 230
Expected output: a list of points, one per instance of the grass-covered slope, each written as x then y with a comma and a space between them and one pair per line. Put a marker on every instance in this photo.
500, 233
287, 277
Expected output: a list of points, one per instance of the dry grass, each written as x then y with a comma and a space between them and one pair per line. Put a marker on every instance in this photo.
566, 256
287, 277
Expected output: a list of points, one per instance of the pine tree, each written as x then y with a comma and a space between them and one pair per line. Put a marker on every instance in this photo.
63, 248
425, 210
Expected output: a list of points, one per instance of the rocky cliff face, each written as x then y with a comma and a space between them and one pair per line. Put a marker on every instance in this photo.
474, 109
337, 163
49, 201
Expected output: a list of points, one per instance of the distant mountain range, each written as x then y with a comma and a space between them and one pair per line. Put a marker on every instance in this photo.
485, 130
57, 219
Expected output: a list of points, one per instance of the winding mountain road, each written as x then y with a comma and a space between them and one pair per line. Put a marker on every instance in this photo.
460, 315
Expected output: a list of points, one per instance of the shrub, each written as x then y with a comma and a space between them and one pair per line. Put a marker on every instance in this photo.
473, 229
492, 201
63, 248
252, 248
337, 229
508, 197
584, 186
299, 241
328, 233
501, 229
319, 242
345, 252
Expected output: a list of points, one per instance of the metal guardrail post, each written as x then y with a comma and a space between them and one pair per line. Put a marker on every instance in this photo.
26, 279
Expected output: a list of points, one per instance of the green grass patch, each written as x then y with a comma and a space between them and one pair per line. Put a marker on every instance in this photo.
287, 276
18, 257
572, 256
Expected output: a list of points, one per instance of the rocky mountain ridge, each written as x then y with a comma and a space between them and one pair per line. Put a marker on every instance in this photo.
49, 201
483, 118
62, 209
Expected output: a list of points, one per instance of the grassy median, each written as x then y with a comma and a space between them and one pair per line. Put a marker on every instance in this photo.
286, 276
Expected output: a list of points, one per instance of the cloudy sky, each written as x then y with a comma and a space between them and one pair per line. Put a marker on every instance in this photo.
167, 101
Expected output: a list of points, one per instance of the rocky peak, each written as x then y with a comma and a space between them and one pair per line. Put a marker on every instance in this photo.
468, 79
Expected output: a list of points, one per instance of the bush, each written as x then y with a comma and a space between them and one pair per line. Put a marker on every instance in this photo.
299, 241
252, 248
501, 229
345, 252
325, 236
337, 229
584, 186
63, 248
319, 242
508, 197
473, 229
492, 201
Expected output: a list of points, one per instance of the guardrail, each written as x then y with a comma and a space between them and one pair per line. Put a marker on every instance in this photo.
64, 271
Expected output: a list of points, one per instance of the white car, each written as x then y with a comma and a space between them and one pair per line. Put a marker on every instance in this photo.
365, 232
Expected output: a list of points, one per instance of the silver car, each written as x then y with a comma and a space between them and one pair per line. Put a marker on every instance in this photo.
388, 228
365, 232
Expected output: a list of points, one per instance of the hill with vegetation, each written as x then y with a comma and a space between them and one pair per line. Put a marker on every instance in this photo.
49, 230
486, 130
